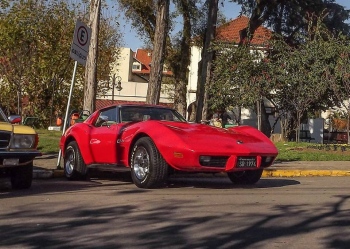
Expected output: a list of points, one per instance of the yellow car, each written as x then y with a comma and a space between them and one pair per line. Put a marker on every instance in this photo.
18, 148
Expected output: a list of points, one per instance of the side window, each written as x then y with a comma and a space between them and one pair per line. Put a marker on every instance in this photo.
166, 115
111, 114
131, 114
107, 117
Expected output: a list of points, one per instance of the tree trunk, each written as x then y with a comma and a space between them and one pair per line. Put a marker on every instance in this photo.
265, 122
297, 130
348, 127
159, 43
90, 87
180, 96
181, 69
19, 102
207, 57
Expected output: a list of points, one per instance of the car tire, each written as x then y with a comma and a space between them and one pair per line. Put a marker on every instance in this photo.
22, 176
148, 167
245, 177
74, 166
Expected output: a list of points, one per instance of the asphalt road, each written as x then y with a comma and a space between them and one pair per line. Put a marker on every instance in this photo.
302, 212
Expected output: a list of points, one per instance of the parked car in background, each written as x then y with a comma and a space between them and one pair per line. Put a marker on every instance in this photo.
155, 141
18, 148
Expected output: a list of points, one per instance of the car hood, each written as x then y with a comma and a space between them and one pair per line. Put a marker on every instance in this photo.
205, 137
17, 129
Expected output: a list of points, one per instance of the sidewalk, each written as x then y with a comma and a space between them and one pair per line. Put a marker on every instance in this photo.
46, 167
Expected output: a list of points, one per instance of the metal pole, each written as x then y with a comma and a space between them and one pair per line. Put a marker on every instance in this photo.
258, 107
113, 85
53, 99
348, 126
67, 110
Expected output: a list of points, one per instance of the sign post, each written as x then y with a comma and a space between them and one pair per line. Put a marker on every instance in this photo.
81, 41
78, 52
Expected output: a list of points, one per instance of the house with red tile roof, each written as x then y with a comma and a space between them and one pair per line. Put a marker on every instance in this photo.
142, 64
228, 32
132, 70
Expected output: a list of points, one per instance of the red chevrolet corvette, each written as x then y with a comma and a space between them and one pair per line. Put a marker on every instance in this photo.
155, 141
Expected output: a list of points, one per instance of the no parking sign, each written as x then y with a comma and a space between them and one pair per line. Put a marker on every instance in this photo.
81, 41
78, 52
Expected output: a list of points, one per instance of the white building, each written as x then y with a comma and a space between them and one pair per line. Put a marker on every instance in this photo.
132, 69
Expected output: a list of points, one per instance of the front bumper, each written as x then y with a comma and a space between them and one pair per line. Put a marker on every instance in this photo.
221, 163
17, 158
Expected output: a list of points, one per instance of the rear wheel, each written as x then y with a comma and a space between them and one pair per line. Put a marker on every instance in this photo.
22, 176
74, 166
245, 177
148, 167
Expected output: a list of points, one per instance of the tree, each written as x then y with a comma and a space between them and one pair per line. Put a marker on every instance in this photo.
32, 51
338, 76
241, 77
206, 63
90, 87
295, 78
143, 18
34, 56
179, 53
289, 18
299, 72
158, 54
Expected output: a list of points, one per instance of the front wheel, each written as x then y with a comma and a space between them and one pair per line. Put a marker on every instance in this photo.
74, 166
245, 177
21, 177
148, 167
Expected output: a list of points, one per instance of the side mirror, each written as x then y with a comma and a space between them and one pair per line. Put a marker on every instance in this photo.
15, 119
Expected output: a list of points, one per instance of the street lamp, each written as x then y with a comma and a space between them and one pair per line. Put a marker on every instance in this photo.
116, 80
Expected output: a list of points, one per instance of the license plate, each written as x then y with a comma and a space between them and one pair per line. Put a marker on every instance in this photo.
11, 162
246, 162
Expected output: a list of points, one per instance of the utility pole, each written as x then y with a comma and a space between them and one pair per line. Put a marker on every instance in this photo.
113, 84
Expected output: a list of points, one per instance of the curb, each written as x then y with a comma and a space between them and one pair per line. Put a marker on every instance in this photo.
46, 174
57, 173
298, 173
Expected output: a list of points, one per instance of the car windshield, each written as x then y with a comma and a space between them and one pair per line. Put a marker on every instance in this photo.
2, 116
137, 113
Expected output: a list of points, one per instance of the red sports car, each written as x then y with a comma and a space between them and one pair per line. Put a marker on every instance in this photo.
155, 141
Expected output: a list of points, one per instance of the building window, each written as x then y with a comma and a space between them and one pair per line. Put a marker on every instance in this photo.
136, 67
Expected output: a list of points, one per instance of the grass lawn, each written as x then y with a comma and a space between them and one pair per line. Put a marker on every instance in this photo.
292, 151
48, 141
288, 151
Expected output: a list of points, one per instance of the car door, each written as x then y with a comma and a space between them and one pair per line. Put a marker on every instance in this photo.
103, 137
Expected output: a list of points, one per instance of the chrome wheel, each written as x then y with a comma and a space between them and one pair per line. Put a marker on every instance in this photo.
148, 168
74, 166
69, 162
141, 163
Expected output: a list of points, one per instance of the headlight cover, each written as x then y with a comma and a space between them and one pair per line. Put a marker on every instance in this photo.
23, 141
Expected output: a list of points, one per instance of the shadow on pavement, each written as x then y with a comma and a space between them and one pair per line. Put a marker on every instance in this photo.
223, 183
